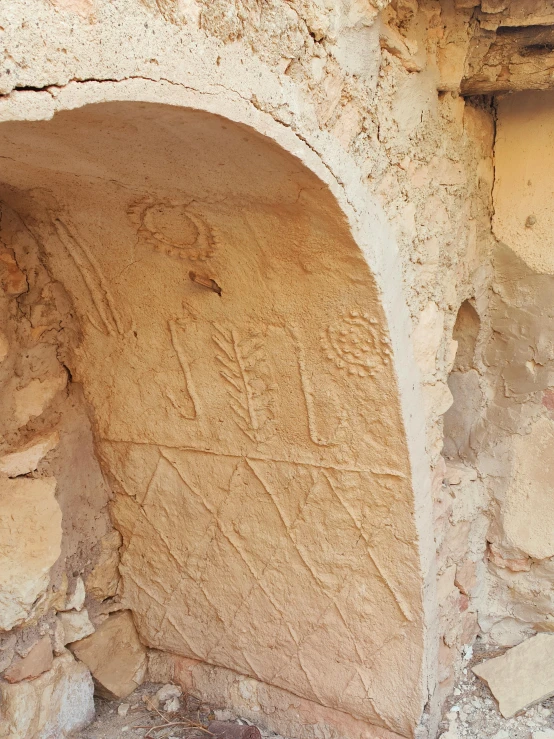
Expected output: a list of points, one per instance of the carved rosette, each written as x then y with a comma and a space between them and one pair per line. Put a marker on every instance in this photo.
355, 344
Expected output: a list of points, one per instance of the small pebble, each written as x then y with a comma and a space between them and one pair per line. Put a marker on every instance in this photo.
172, 705
168, 691
223, 715
123, 709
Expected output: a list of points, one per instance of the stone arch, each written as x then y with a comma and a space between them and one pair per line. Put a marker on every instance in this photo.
255, 437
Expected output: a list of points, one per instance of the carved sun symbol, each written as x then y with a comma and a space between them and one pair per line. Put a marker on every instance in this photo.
355, 344
172, 228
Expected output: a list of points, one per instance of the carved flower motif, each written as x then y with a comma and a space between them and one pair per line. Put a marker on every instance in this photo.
355, 344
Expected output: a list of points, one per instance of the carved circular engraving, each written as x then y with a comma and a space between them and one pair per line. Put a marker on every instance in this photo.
172, 228
355, 344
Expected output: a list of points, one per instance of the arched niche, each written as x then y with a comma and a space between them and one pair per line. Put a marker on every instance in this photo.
254, 438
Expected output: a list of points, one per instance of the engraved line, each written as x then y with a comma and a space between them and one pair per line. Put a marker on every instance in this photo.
187, 574
262, 458
331, 598
400, 602
247, 388
185, 367
79, 245
81, 265
256, 584
289, 529
307, 389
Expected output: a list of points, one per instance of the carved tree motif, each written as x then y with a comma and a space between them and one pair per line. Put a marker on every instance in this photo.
248, 382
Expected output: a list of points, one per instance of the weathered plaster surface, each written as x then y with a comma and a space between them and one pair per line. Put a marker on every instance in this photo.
524, 158
320, 467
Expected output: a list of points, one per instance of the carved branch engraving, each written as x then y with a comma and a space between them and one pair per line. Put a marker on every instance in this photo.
248, 381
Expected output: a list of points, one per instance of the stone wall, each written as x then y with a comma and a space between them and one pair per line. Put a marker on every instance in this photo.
350, 114
514, 443
53, 499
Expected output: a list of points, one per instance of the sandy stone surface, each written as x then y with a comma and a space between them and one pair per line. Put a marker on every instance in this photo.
258, 475
30, 543
27, 459
261, 213
56, 704
113, 654
38, 660
523, 218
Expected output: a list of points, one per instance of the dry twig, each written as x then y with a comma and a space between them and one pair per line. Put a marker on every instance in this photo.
168, 724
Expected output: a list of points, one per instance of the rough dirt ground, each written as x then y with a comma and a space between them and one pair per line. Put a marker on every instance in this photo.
471, 712
109, 724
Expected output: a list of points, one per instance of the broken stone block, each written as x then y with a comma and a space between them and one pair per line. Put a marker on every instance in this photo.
166, 692
427, 337
522, 676
114, 655
76, 625
522, 564
27, 459
7, 650
58, 637
38, 660
31, 400
56, 704
30, 541
103, 580
76, 600
161, 666
466, 577
529, 509
509, 632
172, 705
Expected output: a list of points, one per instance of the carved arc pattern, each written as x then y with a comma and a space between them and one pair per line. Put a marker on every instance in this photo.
172, 228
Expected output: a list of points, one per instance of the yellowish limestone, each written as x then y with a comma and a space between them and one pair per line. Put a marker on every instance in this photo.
30, 539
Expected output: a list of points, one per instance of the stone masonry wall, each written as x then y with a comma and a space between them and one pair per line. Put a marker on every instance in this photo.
382, 83
54, 522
